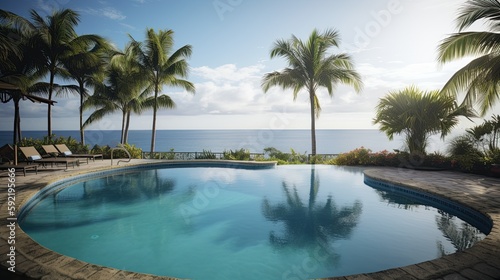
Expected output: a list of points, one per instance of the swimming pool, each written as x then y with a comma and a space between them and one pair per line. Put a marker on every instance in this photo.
289, 222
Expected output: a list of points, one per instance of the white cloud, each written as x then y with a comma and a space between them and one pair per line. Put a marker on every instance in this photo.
229, 72
229, 96
108, 12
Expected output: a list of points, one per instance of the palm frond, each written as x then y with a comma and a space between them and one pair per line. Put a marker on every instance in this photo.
475, 10
460, 45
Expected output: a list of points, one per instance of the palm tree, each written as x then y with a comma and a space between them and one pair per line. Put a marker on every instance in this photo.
418, 114
479, 78
311, 67
85, 61
56, 39
19, 73
125, 89
162, 66
121, 90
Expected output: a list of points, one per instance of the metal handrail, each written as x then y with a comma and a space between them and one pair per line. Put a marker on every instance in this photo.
120, 147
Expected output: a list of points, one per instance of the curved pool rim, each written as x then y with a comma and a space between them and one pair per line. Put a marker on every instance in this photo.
42, 259
65, 182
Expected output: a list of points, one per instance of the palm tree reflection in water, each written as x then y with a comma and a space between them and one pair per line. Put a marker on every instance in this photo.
313, 226
461, 236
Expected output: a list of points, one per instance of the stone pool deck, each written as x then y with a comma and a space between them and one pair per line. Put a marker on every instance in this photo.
482, 261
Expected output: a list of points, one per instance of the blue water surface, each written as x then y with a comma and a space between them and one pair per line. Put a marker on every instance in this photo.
289, 222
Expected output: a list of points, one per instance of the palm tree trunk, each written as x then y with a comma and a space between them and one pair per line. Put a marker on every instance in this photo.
313, 123
124, 117
82, 133
17, 121
127, 125
49, 107
155, 107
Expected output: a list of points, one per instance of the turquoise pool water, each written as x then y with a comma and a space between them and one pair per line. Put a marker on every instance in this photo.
288, 222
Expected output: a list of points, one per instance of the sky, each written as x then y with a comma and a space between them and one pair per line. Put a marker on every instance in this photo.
393, 44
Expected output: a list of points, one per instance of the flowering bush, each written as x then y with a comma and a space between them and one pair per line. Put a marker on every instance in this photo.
363, 156
359, 156
384, 158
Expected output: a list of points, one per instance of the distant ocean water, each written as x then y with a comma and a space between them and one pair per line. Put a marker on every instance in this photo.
328, 141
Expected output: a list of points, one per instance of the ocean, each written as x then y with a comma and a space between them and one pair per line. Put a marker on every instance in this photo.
332, 141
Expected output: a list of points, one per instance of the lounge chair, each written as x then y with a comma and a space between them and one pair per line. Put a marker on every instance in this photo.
32, 156
51, 150
23, 167
7, 159
63, 149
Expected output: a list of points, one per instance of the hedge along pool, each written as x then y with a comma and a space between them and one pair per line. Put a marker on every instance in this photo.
285, 222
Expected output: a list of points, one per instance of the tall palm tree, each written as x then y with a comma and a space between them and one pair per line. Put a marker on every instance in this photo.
19, 73
310, 67
56, 39
120, 91
418, 114
125, 89
84, 63
163, 66
480, 78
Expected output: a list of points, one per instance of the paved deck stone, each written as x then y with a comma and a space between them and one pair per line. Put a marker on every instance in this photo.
482, 261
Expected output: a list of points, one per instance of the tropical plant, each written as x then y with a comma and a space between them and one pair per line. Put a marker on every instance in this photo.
479, 78
162, 66
85, 62
478, 146
241, 154
19, 73
487, 134
105, 151
122, 90
417, 115
359, 156
56, 37
311, 67
206, 154
285, 158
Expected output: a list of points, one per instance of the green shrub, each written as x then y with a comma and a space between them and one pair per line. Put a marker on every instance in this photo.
106, 151
384, 158
275, 154
170, 154
206, 154
240, 154
359, 156
437, 160
286, 158
466, 162
462, 145
319, 159
493, 156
